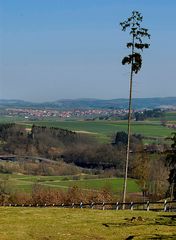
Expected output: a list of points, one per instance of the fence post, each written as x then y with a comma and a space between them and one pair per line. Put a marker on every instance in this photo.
63, 205
148, 203
165, 205
73, 205
131, 206
103, 206
117, 205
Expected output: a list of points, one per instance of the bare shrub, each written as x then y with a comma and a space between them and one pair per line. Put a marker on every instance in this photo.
31, 167
20, 198
41, 195
75, 195
4, 190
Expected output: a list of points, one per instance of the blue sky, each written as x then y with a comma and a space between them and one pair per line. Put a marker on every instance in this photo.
58, 49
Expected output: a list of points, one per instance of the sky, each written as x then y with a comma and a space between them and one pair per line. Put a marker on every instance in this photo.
68, 49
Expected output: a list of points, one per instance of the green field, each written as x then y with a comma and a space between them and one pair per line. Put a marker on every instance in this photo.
25, 183
104, 130
111, 183
170, 116
10, 119
78, 224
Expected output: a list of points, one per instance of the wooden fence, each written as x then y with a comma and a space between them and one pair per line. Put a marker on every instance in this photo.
145, 206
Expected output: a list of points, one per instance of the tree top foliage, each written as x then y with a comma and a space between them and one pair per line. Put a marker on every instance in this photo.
136, 44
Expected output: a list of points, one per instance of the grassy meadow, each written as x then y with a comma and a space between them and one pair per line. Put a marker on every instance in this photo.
77, 224
25, 183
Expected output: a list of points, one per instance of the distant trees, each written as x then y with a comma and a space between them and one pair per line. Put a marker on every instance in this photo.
43, 141
13, 137
155, 113
104, 156
136, 45
6, 130
121, 140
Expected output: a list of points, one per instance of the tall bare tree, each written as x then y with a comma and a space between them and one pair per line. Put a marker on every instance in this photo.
136, 45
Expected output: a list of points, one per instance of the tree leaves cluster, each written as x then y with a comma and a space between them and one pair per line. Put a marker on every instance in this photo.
137, 33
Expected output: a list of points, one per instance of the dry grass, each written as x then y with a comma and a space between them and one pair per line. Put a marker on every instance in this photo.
77, 224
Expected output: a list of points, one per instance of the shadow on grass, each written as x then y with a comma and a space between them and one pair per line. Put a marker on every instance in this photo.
152, 237
164, 220
127, 224
130, 222
161, 237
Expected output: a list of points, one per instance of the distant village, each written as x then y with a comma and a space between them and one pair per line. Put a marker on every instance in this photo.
36, 114
33, 114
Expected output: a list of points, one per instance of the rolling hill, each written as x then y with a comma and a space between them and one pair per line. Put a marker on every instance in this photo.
87, 103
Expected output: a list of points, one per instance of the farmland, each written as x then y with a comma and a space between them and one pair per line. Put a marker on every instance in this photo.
72, 224
104, 130
170, 116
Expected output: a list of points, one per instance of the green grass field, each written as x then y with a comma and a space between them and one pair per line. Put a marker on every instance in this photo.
111, 183
170, 116
25, 183
10, 119
83, 224
104, 130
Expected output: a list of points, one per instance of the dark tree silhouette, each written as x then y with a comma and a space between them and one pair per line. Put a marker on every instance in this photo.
136, 45
121, 138
171, 162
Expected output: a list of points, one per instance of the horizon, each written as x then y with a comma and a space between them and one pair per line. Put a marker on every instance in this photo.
86, 99
52, 51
